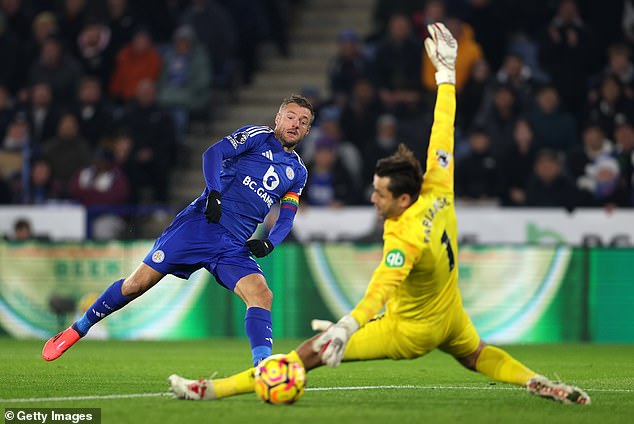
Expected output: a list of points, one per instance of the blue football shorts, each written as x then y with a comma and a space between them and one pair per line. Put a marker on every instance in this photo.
190, 243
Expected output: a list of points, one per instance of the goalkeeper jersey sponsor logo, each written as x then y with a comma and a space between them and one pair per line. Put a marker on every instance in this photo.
395, 258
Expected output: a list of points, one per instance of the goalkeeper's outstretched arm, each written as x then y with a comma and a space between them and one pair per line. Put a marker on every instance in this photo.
442, 49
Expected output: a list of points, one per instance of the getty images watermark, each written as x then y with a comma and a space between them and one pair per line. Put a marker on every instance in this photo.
52, 415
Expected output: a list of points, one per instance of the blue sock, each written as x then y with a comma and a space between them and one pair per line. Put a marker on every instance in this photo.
110, 300
258, 325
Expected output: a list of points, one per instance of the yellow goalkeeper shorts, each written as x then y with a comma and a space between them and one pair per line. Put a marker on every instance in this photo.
394, 338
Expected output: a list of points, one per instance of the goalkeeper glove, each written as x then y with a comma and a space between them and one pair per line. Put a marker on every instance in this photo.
331, 344
442, 50
213, 210
260, 248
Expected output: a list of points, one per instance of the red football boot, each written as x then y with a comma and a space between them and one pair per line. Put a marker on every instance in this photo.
57, 345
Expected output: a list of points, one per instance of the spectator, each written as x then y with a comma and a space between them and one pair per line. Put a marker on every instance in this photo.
611, 106
498, 121
44, 26
595, 144
215, 28
7, 110
101, 183
42, 187
470, 53
71, 21
349, 154
347, 67
567, 54
359, 115
432, 11
602, 185
518, 76
94, 50
18, 18
122, 152
397, 68
476, 173
184, 84
249, 19
41, 114
152, 129
554, 128
58, 69
67, 152
17, 137
624, 147
516, 165
22, 230
329, 182
137, 61
94, 113
472, 96
10, 54
384, 9
490, 27
383, 145
122, 23
620, 65
549, 186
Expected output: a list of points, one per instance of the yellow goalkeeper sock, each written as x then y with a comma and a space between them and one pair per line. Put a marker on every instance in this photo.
496, 363
242, 382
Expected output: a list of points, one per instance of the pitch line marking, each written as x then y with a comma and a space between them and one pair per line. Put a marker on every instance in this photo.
315, 389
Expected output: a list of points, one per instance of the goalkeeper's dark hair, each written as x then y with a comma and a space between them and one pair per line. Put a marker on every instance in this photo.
404, 170
300, 101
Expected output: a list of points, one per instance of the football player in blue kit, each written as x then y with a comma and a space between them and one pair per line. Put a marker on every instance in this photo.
246, 173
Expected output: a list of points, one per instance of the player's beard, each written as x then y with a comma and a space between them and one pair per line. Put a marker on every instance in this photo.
286, 143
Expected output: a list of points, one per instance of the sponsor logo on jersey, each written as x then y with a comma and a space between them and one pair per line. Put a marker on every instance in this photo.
443, 158
290, 174
395, 258
268, 154
237, 139
260, 191
158, 256
270, 180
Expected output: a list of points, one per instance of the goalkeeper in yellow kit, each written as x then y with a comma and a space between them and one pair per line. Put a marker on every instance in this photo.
417, 280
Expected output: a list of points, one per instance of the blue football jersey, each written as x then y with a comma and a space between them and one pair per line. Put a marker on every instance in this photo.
256, 173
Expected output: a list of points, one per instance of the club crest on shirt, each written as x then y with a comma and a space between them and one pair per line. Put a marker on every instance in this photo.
158, 256
290, 173
443, 158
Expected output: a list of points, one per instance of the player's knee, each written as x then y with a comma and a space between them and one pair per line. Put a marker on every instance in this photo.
263, 296
134, 287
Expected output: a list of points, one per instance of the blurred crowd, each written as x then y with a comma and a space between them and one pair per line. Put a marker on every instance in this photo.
545, 112
96, 96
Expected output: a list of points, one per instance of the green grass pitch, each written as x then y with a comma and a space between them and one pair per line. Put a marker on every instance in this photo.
433, 389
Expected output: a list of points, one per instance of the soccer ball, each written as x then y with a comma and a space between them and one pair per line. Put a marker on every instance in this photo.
279, 379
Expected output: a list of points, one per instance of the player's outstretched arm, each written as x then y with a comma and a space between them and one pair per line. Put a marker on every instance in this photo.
442, 50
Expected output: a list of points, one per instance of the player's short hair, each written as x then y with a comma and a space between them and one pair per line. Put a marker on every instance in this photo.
404, 170
300, 101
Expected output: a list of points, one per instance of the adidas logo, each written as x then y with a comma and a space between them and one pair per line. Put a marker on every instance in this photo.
268, 154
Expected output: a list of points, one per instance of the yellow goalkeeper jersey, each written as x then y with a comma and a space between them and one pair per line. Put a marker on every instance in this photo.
418, 274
